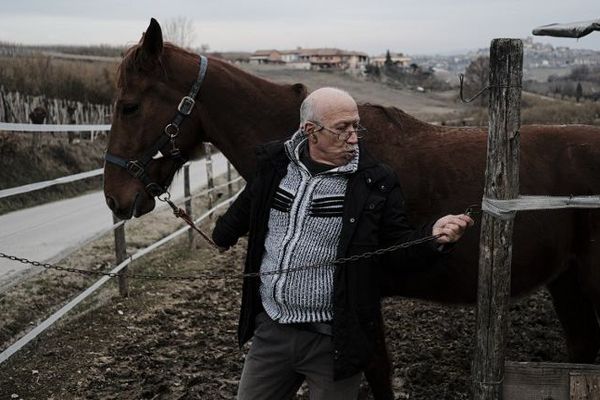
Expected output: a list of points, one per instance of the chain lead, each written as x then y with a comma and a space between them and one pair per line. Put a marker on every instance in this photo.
225, 276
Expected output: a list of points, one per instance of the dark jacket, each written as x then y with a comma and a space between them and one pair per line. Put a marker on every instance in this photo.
374, 217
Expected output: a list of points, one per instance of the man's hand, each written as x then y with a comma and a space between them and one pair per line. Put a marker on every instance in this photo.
451, 227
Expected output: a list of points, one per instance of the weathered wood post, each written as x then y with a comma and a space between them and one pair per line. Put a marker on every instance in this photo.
188, 201
37, 116
495, 249
121, 254
72, 121
209, 175
3, 106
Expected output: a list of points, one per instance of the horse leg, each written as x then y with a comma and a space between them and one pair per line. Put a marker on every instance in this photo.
577, 316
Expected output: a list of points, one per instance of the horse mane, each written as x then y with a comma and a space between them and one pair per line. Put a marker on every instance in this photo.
395, 116
133, 60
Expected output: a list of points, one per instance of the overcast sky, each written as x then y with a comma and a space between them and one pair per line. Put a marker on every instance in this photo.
414, 27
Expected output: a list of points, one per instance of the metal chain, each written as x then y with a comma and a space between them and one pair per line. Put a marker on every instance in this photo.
224, 275
471, 210
57, 267
345, 260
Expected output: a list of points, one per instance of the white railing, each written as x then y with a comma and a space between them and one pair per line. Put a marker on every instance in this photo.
123, 260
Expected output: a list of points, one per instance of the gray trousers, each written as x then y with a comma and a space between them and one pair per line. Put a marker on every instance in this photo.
282, 357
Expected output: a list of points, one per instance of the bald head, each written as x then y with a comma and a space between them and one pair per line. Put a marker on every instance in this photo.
324, 101
329, 119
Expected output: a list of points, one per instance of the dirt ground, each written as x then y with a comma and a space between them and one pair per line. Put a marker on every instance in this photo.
177, 340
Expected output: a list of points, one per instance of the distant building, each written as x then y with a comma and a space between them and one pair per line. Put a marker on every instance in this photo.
320, 59
398, 59
316, 59
266, 57
289, 56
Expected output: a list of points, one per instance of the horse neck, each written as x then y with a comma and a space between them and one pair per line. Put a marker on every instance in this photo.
240, 111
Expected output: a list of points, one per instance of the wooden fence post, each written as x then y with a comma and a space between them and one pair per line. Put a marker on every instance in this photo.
495, 249
188, 202
209, 175
121, 254
37, 116
3, 116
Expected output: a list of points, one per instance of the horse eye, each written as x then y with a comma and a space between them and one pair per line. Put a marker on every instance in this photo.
129, 109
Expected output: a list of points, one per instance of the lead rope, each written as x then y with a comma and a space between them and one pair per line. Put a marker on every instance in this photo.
180, 213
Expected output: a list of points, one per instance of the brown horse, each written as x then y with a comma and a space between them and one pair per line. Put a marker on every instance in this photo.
441, 170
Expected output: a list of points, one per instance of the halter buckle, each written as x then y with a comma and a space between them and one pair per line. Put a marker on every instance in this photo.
172, 130
135, 168
186, 105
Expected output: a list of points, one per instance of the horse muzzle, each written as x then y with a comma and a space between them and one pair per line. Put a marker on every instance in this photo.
142, 204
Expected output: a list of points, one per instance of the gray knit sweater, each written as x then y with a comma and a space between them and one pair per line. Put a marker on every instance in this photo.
304, 226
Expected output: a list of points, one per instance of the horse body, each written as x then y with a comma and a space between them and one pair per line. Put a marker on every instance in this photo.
441, 170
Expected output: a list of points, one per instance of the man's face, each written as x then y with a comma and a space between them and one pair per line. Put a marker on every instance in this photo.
338, 116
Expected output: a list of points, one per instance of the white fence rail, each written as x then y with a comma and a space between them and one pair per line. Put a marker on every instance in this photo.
44, 184
118, 228
12, 349
47, 128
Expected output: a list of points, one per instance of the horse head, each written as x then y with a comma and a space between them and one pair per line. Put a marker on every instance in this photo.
234, 110
154, 130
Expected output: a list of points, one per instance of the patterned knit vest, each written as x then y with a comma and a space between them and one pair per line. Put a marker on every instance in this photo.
304, 225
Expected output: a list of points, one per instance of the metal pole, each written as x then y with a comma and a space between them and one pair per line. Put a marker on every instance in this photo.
495, 248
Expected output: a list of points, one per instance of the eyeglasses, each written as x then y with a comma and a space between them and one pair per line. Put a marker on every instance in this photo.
344, 134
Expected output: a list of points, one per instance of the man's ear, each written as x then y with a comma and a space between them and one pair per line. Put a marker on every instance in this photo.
307, 128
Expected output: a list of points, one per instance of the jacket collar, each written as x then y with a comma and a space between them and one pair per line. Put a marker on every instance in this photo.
276, 152
294, 145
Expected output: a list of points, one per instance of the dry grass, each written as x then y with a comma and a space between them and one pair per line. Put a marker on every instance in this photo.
63, 79
539, 109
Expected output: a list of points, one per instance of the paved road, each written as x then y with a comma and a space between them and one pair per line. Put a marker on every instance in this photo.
50, 231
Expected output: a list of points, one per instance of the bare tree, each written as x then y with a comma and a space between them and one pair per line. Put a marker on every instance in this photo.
180, 30
476, 78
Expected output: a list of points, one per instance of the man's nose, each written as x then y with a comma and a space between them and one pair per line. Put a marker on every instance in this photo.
353, 138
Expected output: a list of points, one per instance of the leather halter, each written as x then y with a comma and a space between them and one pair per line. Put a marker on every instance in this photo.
137, 168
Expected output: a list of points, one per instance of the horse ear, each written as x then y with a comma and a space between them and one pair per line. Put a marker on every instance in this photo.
152, 41
300, 89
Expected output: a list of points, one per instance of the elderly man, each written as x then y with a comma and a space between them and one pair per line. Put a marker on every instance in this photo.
317, 197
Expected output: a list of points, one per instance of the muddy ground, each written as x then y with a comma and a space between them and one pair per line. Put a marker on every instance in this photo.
176, 340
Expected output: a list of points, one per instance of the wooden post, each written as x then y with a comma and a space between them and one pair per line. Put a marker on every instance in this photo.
3, 117
37, 116
209, 174
121, 254
188, 202
72, 121
495, 249
229, 184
